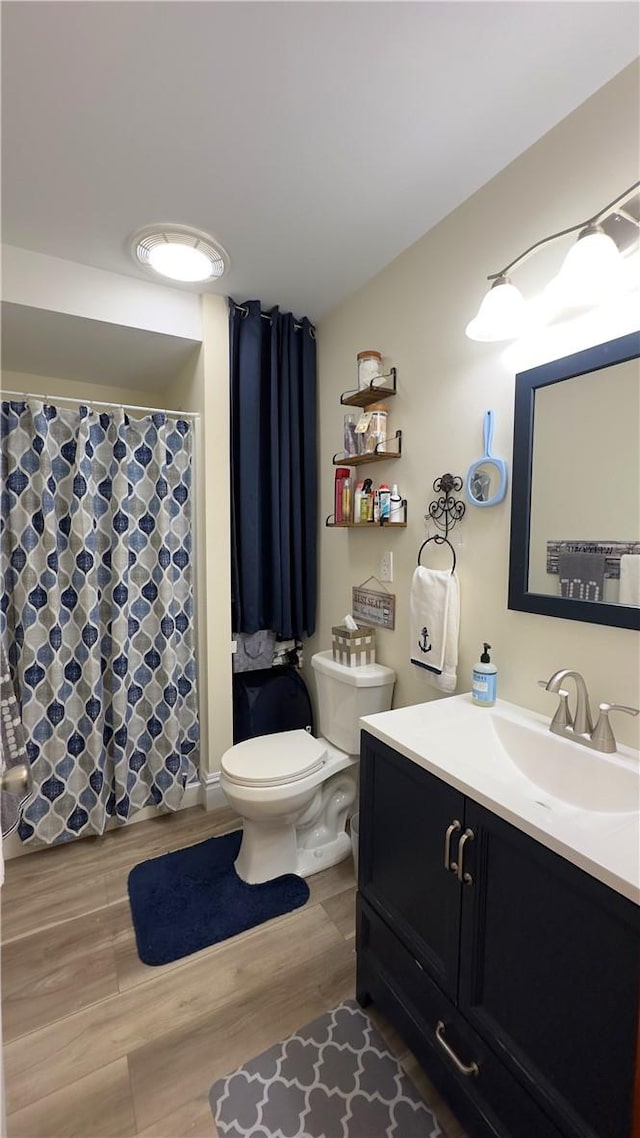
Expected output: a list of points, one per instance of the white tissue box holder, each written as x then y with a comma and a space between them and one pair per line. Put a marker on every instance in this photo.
353, 648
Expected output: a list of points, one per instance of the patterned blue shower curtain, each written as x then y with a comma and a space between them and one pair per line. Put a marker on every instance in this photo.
96, 611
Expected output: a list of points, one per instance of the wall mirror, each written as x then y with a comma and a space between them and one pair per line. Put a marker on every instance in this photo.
575, 510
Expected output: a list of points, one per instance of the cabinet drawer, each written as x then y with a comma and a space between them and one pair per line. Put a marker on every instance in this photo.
489, 1097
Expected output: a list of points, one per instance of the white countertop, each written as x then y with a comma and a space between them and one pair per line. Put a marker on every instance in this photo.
456, 741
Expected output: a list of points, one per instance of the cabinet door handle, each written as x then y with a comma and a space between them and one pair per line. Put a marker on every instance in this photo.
464, 878
450, 830
464, 1068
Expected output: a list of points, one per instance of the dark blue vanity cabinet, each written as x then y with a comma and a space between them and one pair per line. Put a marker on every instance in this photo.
514, 976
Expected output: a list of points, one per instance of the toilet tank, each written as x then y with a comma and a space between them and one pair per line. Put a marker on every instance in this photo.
344, 694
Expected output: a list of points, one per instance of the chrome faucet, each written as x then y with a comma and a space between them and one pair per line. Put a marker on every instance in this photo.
580, 728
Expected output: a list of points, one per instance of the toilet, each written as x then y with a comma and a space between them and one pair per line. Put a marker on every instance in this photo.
293, 791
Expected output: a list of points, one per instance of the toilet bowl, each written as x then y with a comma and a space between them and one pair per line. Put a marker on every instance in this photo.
293, 791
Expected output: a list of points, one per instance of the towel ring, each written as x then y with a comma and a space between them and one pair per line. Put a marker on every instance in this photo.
439, 541
444, 512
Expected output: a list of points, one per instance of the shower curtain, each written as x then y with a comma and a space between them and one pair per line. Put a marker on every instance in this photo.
96, 611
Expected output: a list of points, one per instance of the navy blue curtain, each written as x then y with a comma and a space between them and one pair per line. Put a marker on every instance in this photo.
274, 510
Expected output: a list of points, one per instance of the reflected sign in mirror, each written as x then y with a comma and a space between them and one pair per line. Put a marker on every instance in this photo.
575, 520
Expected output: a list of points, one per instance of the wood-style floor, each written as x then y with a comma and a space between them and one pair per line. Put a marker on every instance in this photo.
98, 1044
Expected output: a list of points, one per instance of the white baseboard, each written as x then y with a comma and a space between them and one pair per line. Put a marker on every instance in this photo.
193, 795
213, 795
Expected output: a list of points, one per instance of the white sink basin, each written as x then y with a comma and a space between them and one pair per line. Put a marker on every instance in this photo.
567, 770
510, 746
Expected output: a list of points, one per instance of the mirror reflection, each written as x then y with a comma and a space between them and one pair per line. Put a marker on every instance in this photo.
585, 487
484, 483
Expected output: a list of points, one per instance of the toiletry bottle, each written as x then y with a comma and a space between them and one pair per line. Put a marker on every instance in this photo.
357, 503
346, 500
384, 495
485, 680
365, 501
396, 511
342, 472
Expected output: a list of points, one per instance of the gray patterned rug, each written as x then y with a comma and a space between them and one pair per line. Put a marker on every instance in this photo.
334, 1078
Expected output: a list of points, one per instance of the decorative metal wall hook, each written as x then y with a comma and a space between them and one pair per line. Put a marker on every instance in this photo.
445, 512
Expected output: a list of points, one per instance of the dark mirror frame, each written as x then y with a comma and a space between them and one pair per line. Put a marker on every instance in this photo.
527, 383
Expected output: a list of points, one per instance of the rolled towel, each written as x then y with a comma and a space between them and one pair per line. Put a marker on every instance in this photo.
434, 623
581, 576
629, 580
254, 650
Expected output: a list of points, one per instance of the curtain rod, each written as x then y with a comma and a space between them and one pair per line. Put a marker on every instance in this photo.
265, 316
103, 403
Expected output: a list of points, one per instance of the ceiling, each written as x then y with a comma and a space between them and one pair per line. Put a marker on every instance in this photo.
315, 141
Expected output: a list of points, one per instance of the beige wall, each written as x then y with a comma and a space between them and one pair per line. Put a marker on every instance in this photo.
415, 311
216, 496
206, 389
74, 389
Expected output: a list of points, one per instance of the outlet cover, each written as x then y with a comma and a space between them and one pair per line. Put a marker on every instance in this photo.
386, 566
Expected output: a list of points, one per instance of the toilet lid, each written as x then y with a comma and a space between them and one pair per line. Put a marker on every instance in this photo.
271, 759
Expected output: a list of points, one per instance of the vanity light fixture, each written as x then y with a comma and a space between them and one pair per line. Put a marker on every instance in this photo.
179, 253
593, 269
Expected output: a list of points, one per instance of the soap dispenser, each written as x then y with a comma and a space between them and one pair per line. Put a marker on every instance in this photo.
485, 680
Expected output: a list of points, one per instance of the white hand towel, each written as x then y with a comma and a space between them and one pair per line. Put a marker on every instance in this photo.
434, 623
629, 579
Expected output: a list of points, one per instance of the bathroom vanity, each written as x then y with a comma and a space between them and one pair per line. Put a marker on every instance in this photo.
498, 925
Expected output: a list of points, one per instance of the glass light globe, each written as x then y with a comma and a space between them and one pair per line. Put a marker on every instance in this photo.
592, 269
501, 315
180, 262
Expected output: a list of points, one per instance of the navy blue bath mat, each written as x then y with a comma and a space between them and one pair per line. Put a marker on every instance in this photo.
184, 901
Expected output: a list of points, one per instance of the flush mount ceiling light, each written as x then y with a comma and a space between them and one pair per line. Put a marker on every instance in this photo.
179, 253
592, 271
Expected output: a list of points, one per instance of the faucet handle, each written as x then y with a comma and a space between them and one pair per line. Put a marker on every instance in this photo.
619, 707
602, 736
562, 717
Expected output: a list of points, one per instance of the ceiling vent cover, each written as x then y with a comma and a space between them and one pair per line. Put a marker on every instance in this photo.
179, 253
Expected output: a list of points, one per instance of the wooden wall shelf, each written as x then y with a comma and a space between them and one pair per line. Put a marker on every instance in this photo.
331, 524
371, 456
371, 394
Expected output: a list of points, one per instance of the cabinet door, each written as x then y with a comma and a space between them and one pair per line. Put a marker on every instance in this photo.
549, 963
404, 816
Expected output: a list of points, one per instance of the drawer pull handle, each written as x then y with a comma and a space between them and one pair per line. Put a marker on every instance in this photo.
464, 1068
448, 864
464, 878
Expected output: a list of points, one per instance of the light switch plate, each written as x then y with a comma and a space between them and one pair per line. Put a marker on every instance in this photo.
386, 566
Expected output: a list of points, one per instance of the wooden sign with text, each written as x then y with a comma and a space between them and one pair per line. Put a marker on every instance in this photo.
373, 608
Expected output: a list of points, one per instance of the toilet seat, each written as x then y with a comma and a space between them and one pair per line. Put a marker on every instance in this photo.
271, 760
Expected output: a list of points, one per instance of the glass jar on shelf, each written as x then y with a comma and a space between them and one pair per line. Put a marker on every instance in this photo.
352, 441
369, 366
376, 433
